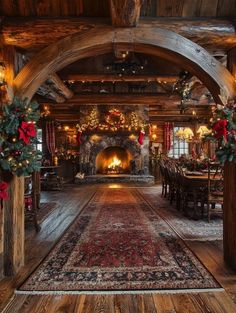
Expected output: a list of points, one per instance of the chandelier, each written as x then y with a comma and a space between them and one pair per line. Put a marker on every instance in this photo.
125, 64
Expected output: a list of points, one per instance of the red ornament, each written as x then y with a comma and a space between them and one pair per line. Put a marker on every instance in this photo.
220, 129
3, 190
141, 137
78, 137
26, 131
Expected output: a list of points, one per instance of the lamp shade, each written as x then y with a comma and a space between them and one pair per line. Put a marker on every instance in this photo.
202, 131
184, 133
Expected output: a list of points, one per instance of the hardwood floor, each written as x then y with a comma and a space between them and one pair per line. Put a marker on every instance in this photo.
71, 200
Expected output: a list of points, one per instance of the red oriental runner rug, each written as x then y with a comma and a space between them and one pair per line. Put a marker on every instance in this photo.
119, 243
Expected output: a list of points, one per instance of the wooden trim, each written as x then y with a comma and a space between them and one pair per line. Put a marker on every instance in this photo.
153, 41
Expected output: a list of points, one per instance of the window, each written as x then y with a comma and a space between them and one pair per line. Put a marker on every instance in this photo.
178, 147
39, 145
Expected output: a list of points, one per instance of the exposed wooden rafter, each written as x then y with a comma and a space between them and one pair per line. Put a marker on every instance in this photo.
122, 99
217, 36
46, 91
60, 86
125, 13
123, 78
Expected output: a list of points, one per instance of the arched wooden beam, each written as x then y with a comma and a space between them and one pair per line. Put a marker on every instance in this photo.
154, 41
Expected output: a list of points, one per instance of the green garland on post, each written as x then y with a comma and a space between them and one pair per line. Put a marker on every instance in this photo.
223, 131
18, 137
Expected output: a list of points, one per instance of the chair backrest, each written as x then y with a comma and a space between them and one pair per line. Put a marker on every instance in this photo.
215, 179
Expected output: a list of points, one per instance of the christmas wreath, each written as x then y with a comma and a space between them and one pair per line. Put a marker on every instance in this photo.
223, 131
115, 118
18, 131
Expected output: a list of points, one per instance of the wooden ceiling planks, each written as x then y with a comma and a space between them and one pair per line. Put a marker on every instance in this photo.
100, 8
49, 8
169, 8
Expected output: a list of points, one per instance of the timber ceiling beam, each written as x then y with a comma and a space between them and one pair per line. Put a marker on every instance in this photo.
47, 92
121, 99
215, 35
123, 78
125, 13
60, 86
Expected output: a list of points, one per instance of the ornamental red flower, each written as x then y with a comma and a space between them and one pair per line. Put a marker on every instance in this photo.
220, 129
3, 190
27, 130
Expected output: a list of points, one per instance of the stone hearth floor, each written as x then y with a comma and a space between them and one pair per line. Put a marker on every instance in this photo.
121, 178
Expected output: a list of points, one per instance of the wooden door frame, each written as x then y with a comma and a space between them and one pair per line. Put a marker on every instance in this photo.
104, 39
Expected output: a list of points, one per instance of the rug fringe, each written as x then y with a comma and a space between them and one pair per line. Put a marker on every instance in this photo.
116, 292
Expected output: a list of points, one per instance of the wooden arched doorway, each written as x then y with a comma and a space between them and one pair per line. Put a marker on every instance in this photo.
104, 39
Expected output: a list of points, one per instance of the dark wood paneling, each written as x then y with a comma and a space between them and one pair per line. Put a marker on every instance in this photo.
170, 7
208, 8
226, 8
50, 8
100, 8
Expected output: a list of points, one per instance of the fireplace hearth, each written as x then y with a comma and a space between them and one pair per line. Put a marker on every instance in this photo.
108, 154
113, 160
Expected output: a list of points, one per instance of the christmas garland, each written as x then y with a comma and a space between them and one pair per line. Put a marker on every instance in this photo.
223, 131
18, 131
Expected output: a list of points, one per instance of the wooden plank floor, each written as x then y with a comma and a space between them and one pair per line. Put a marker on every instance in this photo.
72, 200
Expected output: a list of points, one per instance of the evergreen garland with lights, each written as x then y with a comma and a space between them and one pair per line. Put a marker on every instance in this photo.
18, 132
223, 131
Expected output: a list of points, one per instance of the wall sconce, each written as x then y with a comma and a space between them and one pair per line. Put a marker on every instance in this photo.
2, 74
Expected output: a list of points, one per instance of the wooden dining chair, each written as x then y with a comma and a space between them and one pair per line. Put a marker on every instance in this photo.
215, 194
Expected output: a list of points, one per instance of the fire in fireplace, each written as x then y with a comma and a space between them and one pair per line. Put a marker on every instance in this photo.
113, 160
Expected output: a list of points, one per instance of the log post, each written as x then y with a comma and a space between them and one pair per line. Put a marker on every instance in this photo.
230, 192
125, 13
230, 214
13, 229
14, 235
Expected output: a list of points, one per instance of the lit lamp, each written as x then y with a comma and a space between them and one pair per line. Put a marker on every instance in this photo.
202, 131
2, 74
185, 134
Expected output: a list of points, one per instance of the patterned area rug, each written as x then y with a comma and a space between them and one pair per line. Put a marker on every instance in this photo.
117, 243
187, 228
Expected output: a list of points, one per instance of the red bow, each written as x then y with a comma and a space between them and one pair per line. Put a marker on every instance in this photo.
27, 130
3, 190
220, 129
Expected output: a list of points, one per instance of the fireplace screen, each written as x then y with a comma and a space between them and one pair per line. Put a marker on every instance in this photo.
113, 160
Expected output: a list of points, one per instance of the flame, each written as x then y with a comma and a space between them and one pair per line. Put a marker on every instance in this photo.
115, 162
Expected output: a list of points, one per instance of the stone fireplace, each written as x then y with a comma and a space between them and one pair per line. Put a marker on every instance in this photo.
115, 152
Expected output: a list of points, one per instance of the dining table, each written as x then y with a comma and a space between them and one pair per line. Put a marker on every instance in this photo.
197, 181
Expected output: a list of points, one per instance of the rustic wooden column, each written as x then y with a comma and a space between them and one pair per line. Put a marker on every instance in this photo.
14, 235
230, 214
125, 13
230, 193
13, 229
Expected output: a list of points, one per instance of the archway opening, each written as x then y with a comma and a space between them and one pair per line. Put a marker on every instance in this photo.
113, 160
